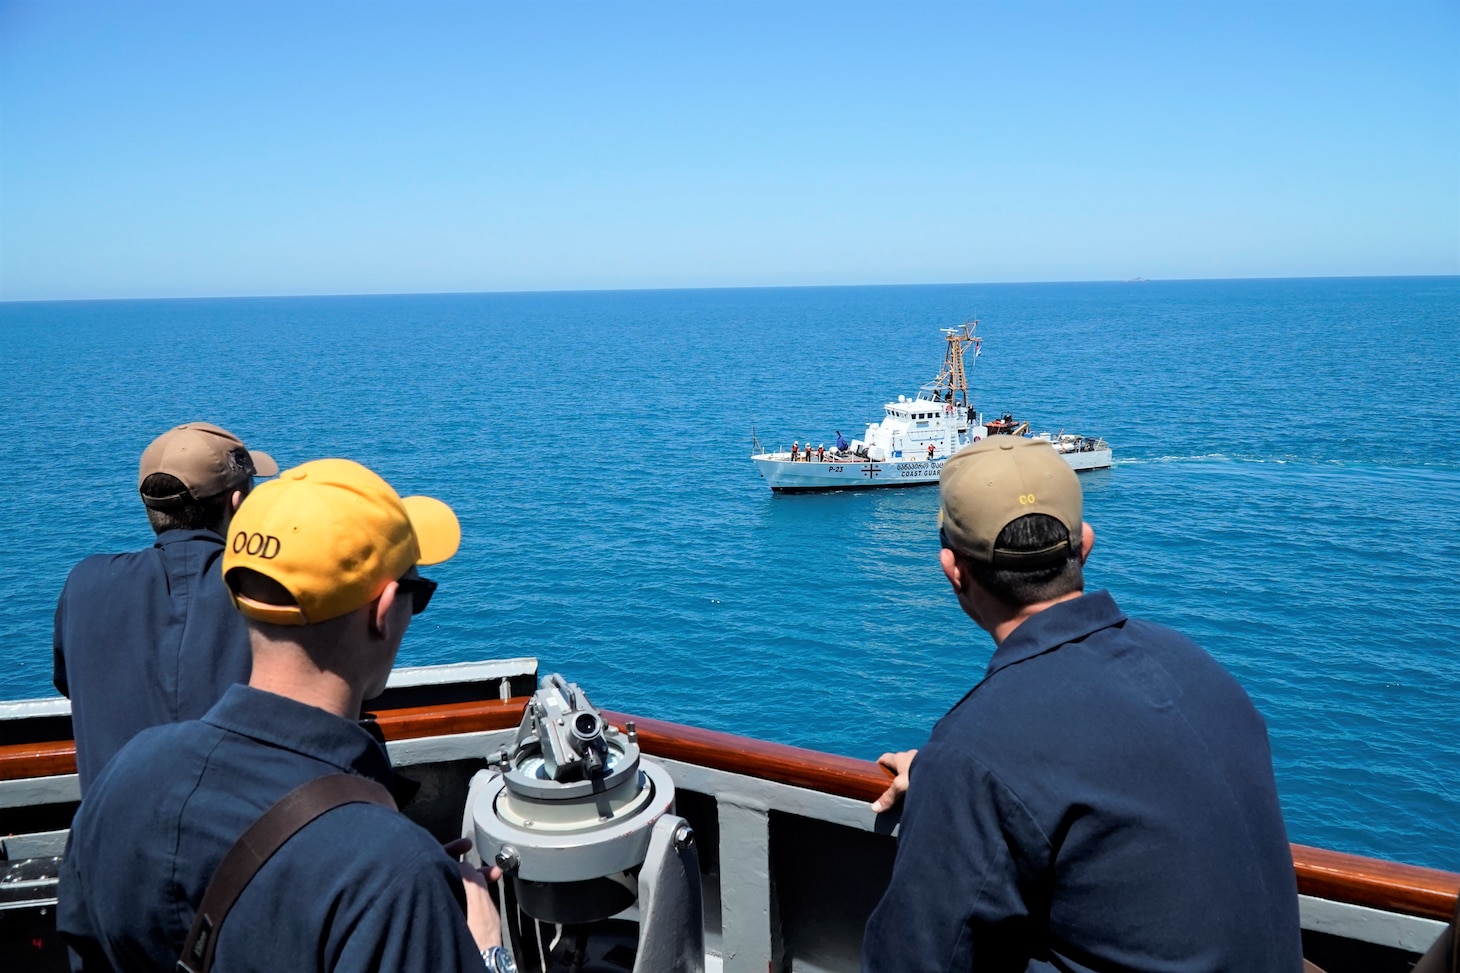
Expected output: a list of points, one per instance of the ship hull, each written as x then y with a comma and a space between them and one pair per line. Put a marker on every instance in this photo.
784, 476
1094, 459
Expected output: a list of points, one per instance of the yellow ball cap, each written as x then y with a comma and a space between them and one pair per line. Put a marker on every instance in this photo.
333, 534
437, 531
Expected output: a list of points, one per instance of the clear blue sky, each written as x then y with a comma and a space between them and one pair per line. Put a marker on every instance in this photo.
229, 148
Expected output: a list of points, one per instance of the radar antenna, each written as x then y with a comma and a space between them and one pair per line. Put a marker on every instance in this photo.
952, 380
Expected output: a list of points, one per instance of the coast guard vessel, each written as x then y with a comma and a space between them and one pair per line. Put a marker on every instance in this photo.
915, 437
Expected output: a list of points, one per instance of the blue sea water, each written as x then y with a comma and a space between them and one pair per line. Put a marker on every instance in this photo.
1287, 492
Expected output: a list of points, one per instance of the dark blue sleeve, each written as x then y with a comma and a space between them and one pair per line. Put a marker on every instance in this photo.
73, 921
58, 657
416, 924
965, 853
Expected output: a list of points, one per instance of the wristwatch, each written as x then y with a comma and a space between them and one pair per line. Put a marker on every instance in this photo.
498, 960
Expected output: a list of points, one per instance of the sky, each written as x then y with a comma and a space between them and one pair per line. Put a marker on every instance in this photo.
166, 149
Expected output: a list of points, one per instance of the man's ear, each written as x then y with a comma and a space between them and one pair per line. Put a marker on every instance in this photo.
380, 611
953, 570
1087, 541
236, 500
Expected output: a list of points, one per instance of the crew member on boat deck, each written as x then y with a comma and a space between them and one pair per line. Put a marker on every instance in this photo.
795, 448
1103, 799
322, 565
820, 452
930, 451
149, 636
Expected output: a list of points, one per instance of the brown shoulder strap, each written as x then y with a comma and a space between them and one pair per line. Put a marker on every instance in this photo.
257, 845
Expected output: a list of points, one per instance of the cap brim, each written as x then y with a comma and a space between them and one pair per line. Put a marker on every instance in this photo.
437, 530
263, 463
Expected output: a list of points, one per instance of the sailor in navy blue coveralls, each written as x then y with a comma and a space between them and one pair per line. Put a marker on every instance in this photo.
323, 564
360, 888
151, 636
145, 638
1102, 800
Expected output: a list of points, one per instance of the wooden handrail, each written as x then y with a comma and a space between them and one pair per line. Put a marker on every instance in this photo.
21, 760
1373, 882
51, 758
1389, 886
812, 769
414, 722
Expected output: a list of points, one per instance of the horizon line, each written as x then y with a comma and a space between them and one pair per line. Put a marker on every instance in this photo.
727, 287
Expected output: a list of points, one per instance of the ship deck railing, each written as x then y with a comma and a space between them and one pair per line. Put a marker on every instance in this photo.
792, 857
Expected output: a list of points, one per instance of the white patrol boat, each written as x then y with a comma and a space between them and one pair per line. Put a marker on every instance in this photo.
915, 437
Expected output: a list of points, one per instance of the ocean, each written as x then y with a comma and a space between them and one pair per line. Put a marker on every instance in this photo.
1286, 492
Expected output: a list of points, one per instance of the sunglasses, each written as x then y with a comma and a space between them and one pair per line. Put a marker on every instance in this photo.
420, 590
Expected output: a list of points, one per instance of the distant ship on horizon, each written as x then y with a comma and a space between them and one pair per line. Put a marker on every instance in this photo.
915, 437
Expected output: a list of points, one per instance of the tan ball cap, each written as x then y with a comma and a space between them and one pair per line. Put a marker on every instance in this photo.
208, 460
993, 483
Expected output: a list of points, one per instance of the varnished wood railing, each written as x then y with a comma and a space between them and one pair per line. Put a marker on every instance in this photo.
21, 760
1390, 886
1325, 874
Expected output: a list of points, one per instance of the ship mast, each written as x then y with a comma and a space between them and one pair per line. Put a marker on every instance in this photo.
953, 378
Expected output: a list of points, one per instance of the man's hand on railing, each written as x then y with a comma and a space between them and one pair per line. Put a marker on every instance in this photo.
898, 765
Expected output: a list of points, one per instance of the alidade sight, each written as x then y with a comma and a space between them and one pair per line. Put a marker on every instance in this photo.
583, 827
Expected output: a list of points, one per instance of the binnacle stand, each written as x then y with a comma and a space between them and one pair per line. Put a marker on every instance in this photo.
584, 830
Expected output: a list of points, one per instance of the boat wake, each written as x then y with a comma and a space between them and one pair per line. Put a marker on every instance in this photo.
1307, 461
